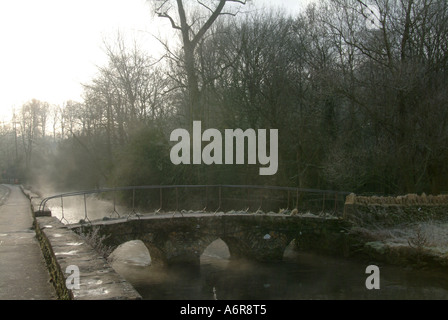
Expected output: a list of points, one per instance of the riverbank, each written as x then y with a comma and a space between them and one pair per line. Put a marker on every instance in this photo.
416, 245
410, 231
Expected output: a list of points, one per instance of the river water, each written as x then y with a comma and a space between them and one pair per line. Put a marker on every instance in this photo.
298, 276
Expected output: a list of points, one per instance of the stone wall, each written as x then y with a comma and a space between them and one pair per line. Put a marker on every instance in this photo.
62, 248
394, 210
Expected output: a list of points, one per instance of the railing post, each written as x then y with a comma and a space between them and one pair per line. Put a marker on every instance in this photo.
115, 207
133, 200
206, 198
177, 199
85, 206
335, 202
114, 201
133, 205
62, 210
323, 203
86, 218
220, 197
160, 199
177, 203
297, 199
62, 207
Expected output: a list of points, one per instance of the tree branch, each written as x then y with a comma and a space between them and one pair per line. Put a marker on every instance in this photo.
209, 22
166, 15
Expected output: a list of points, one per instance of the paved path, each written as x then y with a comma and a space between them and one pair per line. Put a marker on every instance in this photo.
23, 274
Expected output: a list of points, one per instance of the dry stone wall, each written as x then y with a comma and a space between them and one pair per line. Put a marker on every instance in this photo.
395, 210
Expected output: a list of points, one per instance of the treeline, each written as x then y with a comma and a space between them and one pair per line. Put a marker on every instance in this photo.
357, 91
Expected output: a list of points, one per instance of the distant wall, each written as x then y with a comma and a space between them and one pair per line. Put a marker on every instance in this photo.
394, 210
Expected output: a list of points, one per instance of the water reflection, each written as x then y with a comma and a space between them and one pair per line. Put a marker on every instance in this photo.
299, 276
73, 209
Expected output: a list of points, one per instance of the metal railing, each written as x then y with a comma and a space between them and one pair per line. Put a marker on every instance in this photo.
9, 181
211, 198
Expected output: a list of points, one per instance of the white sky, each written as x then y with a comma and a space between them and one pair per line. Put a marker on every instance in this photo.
49, 47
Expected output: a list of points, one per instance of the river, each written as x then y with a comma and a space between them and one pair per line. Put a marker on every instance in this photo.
299, 276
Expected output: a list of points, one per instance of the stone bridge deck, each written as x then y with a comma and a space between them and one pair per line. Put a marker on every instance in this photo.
182, 239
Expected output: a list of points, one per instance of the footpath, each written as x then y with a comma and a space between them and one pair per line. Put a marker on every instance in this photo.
23, 273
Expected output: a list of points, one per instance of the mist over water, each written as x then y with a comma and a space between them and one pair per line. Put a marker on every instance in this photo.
300, 276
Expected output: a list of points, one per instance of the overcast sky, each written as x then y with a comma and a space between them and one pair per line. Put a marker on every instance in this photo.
49, 47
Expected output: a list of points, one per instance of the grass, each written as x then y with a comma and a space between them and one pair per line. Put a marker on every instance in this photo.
95, 240
420, 240
428, 233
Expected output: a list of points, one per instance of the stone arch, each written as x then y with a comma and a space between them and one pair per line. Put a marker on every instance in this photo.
291, 249
149, 239
217, 248
260, 245
176, 247
132, 250
238, 246
157, 255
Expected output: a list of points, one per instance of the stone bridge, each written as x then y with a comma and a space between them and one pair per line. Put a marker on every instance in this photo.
261, 237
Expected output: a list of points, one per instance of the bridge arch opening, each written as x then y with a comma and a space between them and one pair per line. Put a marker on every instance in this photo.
132, 252
291, 251
216, 250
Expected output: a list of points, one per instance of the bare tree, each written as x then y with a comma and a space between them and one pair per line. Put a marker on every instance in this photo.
32, 122
192, 27
393, 88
